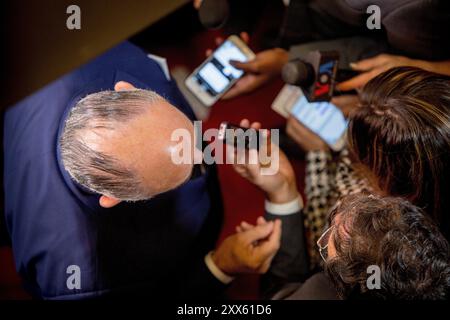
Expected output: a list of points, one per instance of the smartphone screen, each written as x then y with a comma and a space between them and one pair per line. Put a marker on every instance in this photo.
217, 74
323, 118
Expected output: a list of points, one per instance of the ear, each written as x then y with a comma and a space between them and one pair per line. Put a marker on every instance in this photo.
123, 86
108, 202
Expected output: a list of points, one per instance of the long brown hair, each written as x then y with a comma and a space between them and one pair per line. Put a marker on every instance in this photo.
401, 133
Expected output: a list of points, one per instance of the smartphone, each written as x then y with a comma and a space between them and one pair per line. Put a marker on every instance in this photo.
216, 75
323, 118
231, 134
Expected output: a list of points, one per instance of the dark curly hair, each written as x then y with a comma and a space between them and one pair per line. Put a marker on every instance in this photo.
399, 238
401, 136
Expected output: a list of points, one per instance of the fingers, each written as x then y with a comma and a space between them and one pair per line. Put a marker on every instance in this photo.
370, 63
256, 125
260, 221
257, 233
251, 66
245, 162
372, 67
245, 37
304, 137
197, 4
241, 169
246, 84
249, 169
244, 226
218, 41
294, 127
358, 81
231, 159
346, 103
253, 167
240, 87
245, 123
232, 93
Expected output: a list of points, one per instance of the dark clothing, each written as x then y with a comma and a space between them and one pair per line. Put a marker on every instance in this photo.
414, 28
154, 247
288, 277
317, 287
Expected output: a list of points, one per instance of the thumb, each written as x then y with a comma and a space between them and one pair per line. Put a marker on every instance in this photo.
259, 232
251, 66
245, 36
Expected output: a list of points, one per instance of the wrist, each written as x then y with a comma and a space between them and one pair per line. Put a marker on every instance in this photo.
284, 209
221, 263
215, 269
283, 195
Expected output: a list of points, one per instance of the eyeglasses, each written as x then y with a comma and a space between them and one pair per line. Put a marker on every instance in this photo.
322, 243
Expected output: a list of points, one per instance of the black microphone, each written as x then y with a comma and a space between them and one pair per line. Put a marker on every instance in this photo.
213, 14
298, 73
316, 74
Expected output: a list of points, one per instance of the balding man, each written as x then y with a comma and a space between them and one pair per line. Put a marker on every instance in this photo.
118, 144
94, 204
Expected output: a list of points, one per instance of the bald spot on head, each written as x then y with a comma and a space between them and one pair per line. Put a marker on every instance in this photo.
144, 145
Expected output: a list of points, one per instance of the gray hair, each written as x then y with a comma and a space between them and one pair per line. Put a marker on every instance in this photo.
93, 169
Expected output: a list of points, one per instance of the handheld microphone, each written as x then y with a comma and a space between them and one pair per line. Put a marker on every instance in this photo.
213, 14
316, 74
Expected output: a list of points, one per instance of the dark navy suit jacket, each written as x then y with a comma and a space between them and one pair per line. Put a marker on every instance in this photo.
153, 247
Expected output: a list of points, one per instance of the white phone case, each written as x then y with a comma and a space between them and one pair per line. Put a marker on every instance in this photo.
197, 90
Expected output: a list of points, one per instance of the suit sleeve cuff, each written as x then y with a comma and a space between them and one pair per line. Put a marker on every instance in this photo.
214, 269
287, 208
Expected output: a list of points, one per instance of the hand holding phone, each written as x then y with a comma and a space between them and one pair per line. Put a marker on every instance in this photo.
266, 65
216, 75
279, 187
304, 137
237, 136
320, 118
